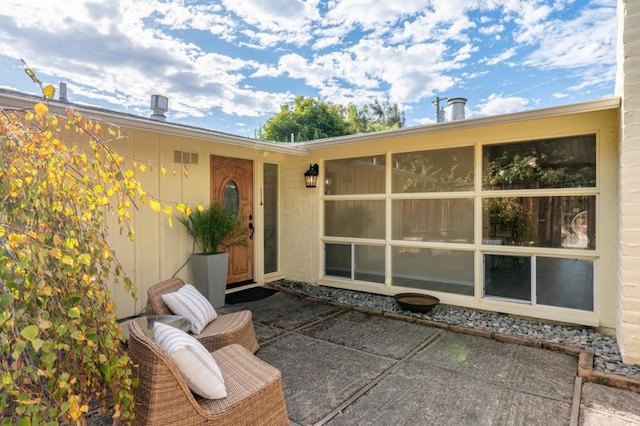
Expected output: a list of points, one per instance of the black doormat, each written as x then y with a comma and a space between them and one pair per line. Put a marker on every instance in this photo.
249, 295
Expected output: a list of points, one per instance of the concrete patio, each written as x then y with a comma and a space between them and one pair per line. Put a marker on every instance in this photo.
344, 367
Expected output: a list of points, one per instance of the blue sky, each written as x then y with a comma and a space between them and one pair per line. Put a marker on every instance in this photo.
228, 65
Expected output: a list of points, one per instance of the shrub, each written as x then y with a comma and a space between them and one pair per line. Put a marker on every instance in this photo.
59, 339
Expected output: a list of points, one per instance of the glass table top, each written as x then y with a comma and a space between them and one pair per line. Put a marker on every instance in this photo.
146, 323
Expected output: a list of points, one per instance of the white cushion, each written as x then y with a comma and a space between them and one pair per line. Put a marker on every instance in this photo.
189, 303
195, 363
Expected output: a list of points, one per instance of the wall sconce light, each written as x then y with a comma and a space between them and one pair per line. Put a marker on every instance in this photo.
311, 176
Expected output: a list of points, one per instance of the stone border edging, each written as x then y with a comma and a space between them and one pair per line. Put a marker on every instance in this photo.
585, 357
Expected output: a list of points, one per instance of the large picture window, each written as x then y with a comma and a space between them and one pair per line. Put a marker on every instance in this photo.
526, 210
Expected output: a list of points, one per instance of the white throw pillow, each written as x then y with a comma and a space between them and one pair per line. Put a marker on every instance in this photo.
189, 303
195, 363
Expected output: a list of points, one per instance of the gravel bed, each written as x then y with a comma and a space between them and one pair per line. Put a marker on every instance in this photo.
607, 357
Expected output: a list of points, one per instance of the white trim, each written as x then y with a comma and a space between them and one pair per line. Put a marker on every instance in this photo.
141, 123
583, 107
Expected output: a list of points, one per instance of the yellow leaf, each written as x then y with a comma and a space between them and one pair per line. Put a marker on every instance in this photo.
168, 210
49, 91
185, 172
163, 171
180, 207
67, 260
170, 222
200, 208
143, 168
155, 206
40, 109
55, 252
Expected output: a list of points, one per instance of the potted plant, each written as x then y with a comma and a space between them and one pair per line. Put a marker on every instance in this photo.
214, 229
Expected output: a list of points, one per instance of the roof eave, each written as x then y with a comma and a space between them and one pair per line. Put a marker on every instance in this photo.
141, 123
577, 108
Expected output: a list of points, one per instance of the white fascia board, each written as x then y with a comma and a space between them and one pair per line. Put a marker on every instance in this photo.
141, 123
583, 107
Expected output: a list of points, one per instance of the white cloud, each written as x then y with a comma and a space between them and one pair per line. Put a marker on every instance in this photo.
212, 57
587, 40
509, 53
496, 104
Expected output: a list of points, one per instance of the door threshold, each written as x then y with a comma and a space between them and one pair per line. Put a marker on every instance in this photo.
243, 286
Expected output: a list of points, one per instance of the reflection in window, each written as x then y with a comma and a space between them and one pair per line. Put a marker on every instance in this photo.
448, 220
368, 264
567, 283
363, 175
337, 260
555, 222
354, 218
436, 170
507, 276
448, 271
270, 218
551, 163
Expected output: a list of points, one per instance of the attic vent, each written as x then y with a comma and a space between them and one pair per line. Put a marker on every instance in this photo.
180, 157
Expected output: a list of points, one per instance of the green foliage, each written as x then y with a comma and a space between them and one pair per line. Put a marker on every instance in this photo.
553, 163
59, 339
215, 228
310, 119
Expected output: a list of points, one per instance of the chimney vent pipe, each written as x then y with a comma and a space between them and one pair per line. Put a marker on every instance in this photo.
62, 96
159, 106
457, 108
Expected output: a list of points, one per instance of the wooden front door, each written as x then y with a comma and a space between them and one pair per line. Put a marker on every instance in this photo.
232, 183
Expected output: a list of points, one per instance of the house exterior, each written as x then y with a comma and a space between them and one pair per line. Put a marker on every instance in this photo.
533, 213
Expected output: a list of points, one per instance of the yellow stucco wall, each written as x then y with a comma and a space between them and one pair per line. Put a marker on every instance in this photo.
159, 250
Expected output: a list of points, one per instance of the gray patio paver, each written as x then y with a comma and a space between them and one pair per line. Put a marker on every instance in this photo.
420, 394
266, 332
605, 406
370, 333
284, 311
541, 372
334, 372
317, 375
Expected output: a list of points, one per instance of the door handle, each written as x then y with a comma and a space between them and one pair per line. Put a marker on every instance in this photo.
251, 227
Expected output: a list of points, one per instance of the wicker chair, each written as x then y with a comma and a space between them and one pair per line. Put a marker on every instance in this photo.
236, 327
254, 389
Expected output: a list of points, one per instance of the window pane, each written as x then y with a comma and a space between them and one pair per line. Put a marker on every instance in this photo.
363, 175
436, 170
337, 260
449, 271
433, 220
557, 222
354, 218
270, 218
507, 276
230, 198
369, 263
567, 283
550, 163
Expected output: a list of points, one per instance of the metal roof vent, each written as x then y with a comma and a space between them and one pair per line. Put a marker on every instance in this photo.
62, 97
457, 108
159, 106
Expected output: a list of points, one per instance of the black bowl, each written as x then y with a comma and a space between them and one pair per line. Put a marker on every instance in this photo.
416, 302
